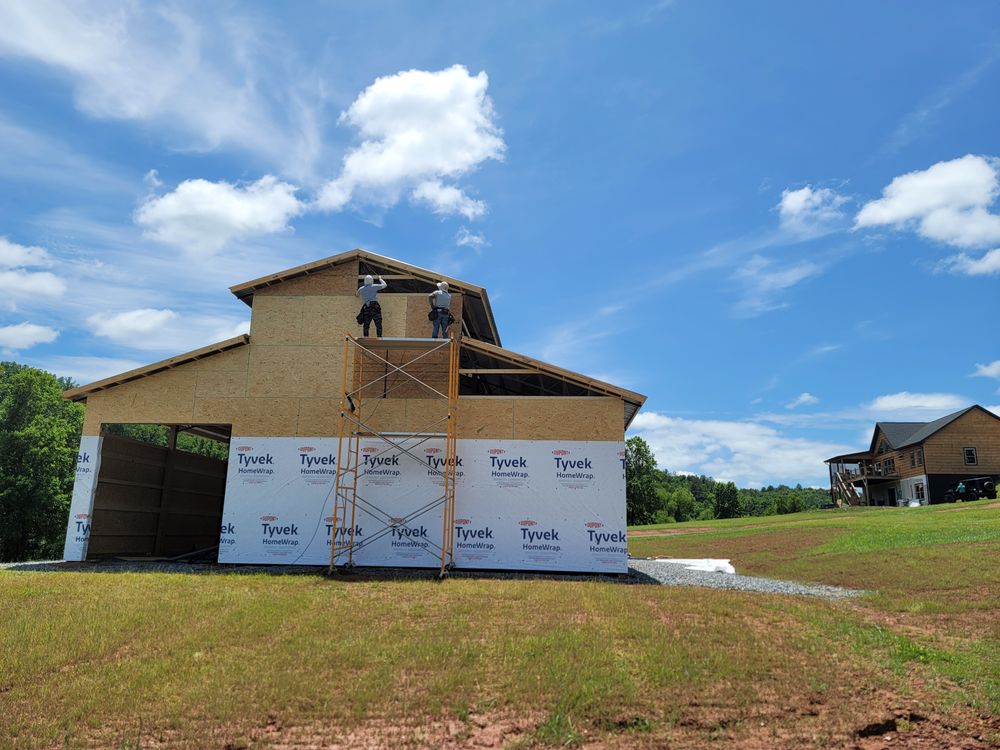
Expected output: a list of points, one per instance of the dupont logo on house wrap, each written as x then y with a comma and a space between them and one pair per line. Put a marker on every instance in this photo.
573, 470
342, 533
507, 469
380, 467
538, 540
274, 532
604, 541
316, 468
253, 466
471, 537
437, 463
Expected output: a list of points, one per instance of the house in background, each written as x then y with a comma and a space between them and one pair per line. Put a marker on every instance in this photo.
918, 460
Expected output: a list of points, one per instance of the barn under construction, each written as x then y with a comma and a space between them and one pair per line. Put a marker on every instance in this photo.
402, 450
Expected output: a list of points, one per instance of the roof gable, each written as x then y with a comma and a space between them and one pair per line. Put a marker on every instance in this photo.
482, 323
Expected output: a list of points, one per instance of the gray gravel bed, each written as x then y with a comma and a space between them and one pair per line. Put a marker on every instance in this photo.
641, 571
672, 574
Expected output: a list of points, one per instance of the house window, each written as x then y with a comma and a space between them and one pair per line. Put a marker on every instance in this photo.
970, 456
913, 459
890, 466
883, 447
918, 491
878, 468
920, 456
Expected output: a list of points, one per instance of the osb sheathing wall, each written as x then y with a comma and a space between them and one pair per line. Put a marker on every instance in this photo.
287, 380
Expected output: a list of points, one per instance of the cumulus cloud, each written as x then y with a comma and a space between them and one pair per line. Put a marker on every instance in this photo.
948, 202
466, 238
991, 370
209, 81
747, 453
763, 283
809, 212
447, 199
918, 405
418, 128
803, 399
13, 255
126, 326
25, 285
988, 264
164, 330
25, 336
203, 216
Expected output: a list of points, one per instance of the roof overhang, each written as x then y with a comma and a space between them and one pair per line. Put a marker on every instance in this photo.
476, 302
525, 367
849, 458
81, 393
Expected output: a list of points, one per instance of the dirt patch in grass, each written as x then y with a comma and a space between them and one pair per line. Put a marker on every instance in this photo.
962, 506
670, 532
750, 553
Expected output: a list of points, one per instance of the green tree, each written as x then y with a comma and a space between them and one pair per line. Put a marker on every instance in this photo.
727, 500
39, 437
641, 502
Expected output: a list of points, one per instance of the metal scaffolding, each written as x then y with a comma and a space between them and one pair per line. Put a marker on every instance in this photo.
385, 377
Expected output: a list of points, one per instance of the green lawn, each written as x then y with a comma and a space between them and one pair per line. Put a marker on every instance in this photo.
170, 660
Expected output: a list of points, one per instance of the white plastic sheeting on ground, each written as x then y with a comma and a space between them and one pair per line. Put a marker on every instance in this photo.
706, 564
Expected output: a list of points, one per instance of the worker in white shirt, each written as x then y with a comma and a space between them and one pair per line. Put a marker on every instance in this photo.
371, 310
440, 313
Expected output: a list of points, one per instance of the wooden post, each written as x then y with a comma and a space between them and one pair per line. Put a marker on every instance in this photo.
161, 523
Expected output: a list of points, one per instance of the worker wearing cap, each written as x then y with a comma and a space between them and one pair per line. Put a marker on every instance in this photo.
371, 310
440, 313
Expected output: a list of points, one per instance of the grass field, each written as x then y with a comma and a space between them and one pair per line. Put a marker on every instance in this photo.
229, 661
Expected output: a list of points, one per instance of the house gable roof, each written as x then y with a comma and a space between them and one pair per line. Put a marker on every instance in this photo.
905, 434
80, 393
476, 300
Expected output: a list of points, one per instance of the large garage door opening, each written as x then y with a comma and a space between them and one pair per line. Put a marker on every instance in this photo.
159, 491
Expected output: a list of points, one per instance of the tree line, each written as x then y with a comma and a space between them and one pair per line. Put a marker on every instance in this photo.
655, 495
39, 438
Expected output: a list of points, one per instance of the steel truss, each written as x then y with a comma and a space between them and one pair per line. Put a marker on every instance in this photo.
348, 504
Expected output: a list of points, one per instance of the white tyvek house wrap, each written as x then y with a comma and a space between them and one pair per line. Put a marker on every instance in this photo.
81, 507
528, 505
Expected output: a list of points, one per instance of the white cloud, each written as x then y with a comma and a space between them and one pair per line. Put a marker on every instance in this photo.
164, 330
964, 265
747, 453
991, 370
25, 285
808, 212
13, 255
127, 326
995, 408
763, 283
209, 82
418, 128
803, 399
466, 238
448, 199
917, 405
26, 335
204, 216
948, 202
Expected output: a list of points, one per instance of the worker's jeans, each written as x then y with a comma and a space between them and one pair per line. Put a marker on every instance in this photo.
440, 324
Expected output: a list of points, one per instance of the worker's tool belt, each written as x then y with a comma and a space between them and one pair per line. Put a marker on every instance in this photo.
369, 311
441, 313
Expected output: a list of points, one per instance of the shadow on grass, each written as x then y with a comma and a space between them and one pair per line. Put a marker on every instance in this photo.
358, 574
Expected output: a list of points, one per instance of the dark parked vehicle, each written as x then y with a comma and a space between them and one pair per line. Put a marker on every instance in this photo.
972, 489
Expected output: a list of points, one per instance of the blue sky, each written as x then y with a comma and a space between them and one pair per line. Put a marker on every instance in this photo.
780, 222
